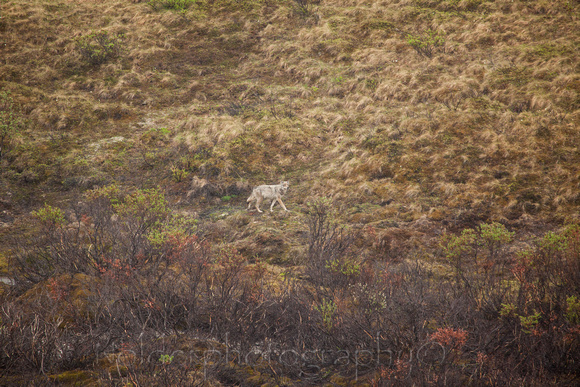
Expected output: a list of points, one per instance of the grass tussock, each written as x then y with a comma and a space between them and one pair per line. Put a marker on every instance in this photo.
475, 75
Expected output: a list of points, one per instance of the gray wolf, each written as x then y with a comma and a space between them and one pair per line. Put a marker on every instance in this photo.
268, 192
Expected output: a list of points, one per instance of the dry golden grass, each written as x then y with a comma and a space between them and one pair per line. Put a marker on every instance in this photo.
339, 100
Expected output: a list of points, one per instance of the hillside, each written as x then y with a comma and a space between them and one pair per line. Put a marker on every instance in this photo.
399, 125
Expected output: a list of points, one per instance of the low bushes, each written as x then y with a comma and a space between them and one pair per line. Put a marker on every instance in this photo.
99, 46
130, 291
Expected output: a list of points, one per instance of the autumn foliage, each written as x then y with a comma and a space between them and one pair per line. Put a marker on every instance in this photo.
86, 293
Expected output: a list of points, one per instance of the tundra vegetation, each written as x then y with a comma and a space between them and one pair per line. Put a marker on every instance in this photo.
433, 153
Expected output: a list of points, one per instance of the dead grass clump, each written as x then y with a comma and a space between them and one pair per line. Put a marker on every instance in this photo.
454, 94
131, 79
392, 243
266, 245
202, 188
211, 132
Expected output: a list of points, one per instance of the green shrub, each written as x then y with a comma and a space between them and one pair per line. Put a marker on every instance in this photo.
460, 248
493, 236
98, 47
149, 207
110, 193
176, 5
529, 323
426, 43
179, 174
305, 8
372, 84
327, 311
166, 359
573, 310
348, 268
508, 310
50, 216
466, 247
227, 198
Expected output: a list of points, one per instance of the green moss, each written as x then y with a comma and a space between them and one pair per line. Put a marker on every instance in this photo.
118, 371
336, 22
3, 263
74, 377
379, 24
511, 75
550, 50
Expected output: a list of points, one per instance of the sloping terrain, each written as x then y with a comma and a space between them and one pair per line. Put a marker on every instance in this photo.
447, 107
413, 118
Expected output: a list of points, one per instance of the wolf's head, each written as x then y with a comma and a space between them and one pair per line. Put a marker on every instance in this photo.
284, 185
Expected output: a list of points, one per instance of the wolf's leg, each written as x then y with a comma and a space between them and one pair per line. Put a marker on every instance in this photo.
258, 202
279, 199
251, 199
272, 204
